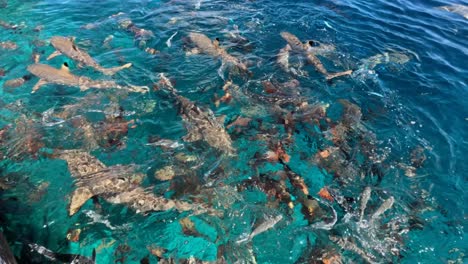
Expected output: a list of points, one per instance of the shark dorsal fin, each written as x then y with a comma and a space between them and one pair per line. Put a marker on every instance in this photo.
65, 67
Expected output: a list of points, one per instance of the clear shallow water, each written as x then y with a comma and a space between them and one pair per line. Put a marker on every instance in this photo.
419, 102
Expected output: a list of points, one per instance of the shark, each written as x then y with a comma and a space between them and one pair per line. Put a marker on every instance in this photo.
205, 45
67, 47
118, 184
308, 51
202, 124
50, 75
461, 10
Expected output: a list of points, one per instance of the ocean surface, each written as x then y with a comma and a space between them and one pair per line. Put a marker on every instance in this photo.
305, 152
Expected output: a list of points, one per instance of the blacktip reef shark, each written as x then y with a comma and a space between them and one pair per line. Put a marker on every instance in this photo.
67, 47
206, 46
306, 49
50, 75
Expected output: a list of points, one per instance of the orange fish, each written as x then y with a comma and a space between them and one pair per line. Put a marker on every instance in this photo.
325, 194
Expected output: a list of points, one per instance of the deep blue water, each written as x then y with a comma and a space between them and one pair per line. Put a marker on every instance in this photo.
415, 101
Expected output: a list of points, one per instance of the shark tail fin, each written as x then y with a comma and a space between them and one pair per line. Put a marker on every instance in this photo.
112, 71
338, 74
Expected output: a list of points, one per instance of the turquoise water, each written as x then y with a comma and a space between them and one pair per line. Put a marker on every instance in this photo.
409, 82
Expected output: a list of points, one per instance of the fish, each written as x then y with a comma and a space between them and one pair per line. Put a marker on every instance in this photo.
168, 42
263, 227
140, 34
347, 244
202, 124
8, 25
67, 47
13, 83
8, 45
387, 204
206, 46
365, 196
283, 58
118, 184
368, 65
305, 50
143, 201
50, 75
461, 10
64, 258
296, 180
166, 143
6, 255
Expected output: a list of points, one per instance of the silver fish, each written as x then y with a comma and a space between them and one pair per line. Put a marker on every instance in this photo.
8, 45
345, 243
67, 47
307, 51
387, 204
168, 42
365, 196
263, 227
384, 58
48, 74
283, 58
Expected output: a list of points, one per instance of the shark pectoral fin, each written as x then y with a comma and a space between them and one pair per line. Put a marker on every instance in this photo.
38, 85
54, 54
78, 198
192, 136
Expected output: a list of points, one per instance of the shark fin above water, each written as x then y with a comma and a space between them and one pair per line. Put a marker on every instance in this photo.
65, 68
